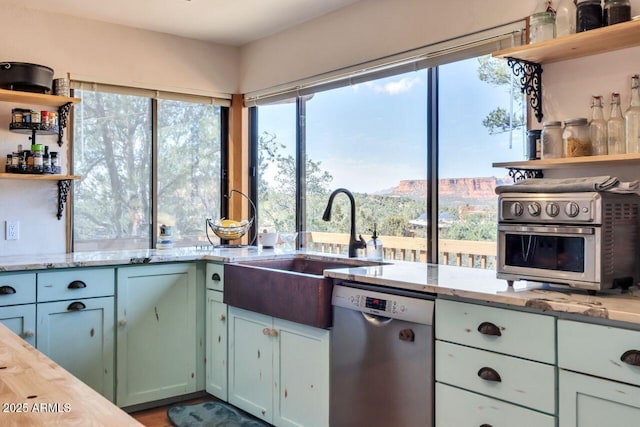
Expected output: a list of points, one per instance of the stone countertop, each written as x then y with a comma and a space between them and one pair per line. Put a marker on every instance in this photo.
462, 282
482, 285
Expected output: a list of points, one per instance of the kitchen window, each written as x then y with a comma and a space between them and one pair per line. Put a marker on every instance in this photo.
144, 161
413, 143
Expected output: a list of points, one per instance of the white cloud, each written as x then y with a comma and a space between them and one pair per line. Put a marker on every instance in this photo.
393, 88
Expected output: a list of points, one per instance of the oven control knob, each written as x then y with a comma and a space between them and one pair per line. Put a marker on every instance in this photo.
534, 209
517, 209
553, 209
572, 209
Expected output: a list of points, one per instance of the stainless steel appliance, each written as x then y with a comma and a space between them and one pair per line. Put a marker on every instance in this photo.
381, 357
586, 240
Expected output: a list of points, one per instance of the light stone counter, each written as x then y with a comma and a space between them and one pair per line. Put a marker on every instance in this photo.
462, 282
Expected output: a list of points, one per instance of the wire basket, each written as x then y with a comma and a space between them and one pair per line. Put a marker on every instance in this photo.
228, 229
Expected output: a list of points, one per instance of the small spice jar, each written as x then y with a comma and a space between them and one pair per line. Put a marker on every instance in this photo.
588, 15
532, 147
575, 136
542, 26
551, 140
616, 11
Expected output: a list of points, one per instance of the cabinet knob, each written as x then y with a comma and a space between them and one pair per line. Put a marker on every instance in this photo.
28, 333
631, 357
76, 306
222, 317
77, 284
266, 331
215, 277
488, 328
489, 374
273, 333
122, 322
7, 290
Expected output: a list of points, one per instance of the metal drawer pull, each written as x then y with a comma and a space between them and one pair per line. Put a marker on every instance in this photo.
7, 290
631, 357
488, 328
489, 374
222, 317
78, 284
76, 306
486, 425
215, 277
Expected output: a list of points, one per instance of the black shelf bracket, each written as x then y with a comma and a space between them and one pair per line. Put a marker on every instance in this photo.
64, 185
521, 174
63, 115
530, 75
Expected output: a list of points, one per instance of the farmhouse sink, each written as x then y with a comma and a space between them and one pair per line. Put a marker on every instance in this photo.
288, 288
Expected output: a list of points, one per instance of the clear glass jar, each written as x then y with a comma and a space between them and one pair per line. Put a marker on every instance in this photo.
588, 15
542, 26
575, 136
598, 128
632, 117
616, 11
551, 140
616, 137
565, 18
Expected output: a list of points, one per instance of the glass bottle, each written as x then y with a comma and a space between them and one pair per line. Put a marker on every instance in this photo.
598, 128
565, 18
632, 117
616, 140
615, 127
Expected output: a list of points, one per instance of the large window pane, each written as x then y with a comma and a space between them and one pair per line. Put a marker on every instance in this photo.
188, 168
277, 167
371, 139
112, 153
481, 114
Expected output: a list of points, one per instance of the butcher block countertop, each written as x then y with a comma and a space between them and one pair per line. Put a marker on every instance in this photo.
35, 391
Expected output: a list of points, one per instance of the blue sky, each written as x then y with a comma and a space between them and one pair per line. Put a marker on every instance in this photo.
372, 135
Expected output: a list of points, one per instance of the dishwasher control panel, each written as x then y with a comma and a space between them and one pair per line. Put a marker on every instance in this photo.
383, 304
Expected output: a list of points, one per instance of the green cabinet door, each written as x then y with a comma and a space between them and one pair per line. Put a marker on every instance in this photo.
21, 319
156, 332
251, 380
587, 401
216, 345
79, 336
302, 375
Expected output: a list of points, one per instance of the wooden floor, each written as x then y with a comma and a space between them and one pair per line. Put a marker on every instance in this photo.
157, 417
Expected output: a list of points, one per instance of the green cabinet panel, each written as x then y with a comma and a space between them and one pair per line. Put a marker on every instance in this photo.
79, 336
594, 402
21, 319
215, 276
216, 345
156, 332
251, 363
302, 375
20, 289
460, 408
76, 283
278, 370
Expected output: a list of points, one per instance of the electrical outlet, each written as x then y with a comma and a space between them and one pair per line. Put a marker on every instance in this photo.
12, 230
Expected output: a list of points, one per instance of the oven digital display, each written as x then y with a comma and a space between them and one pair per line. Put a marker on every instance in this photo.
376, 303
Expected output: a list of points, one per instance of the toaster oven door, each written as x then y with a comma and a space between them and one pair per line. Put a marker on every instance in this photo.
562, 254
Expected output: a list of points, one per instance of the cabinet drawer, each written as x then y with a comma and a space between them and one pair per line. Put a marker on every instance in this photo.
527, 335
17, 289
522, 382
215, 277
455, 407
75, 284
598, 350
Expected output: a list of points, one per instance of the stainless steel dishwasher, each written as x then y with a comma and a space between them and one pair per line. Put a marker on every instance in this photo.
381, 357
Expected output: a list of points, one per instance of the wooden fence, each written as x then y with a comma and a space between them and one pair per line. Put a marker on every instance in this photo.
456, 252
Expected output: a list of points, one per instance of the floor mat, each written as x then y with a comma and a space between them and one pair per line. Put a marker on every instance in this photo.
211, 414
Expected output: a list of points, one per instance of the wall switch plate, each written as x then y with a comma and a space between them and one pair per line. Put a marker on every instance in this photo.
12, 230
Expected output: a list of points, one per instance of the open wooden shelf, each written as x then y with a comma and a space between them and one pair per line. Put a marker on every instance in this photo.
566, 162
38, 177
15, 96
600, 40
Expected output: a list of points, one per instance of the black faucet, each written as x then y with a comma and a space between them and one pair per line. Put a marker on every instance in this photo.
354, 243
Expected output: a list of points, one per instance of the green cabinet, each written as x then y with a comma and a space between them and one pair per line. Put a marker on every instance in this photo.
216, 345
17, 304
21, 320
156, 332
278, 370
75, 323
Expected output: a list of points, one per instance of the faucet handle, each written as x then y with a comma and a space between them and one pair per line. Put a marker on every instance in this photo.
361, 242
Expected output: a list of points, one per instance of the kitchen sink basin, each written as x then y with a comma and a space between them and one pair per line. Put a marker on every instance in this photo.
288, 288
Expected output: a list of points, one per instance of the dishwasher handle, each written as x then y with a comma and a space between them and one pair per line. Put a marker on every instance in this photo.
376, 320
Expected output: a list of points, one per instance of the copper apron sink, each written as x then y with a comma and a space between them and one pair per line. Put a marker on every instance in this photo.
288, 288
